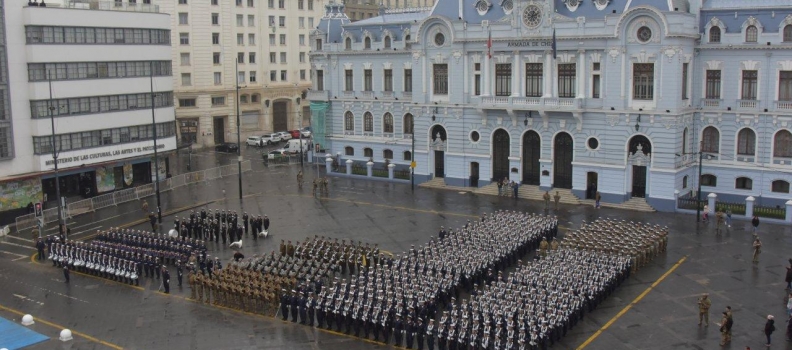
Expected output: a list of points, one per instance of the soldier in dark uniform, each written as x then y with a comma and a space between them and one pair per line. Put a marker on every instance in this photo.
245, 219
166, 279
398, 330
266, 223
420, 333
179, 272
295, 304
284, 304
311, 306
410, 332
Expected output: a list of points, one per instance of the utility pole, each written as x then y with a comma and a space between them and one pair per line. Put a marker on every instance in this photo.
299, 114
239, 143
156, 155
51, 109
412, 159
698, 193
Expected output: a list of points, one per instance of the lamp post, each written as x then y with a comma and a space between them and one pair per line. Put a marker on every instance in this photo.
50, 110
700, 169
299, 114
412, 158
156, 155
239, 145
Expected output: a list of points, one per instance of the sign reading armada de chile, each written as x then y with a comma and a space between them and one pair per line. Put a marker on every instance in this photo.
530, 43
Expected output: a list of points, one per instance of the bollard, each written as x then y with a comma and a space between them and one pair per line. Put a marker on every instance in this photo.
676, 200
65, 335
369, 168
390, 170
749, 203
711, 203
328, 164
27, 320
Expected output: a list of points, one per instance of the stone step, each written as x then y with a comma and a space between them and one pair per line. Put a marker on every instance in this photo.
635, 204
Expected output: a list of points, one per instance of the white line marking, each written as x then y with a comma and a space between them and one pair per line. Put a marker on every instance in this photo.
21, 239
18, 245
88, 230
20, 256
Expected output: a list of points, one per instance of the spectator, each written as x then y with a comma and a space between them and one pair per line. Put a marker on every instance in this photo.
788, 278
728, 217
769, 328
705, 214
597, 199
789, 306
755, 223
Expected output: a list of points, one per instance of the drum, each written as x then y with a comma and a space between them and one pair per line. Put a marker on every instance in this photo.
126, 274
133, 276
103, 269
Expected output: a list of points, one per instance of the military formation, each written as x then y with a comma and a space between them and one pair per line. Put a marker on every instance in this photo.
236, 287
161, 249
214, 225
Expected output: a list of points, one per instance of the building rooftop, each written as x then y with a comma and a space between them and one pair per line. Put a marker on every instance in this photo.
745, 4
101, 5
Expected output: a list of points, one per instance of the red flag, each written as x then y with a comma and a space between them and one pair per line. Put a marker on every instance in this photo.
489, 45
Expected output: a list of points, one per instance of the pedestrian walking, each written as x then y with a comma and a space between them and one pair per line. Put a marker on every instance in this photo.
557, 198
66, 272
34, 234
153, 220
704, 304
40, 248
755, 223
769, 328
705, 214
757, 249
166, 279
789, 306
728, 217
597, 199
718, 220
300, 179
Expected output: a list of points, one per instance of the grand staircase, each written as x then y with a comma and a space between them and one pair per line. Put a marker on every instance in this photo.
532, 193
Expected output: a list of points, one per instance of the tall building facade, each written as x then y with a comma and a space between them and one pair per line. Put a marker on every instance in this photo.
361, 9
259, 45
609, 96
86, 70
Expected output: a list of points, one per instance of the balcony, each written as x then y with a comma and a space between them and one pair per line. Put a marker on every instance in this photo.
783, 105
367, 94
747, 104
348, 94
103, 5
317, 95
711, 103
387, 95
407, 95
544, 103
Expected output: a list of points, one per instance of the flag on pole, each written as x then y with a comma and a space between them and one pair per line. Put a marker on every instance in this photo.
489, 45
554, 44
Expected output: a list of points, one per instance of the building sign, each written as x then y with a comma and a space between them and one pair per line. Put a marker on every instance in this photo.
109, 153
530, 43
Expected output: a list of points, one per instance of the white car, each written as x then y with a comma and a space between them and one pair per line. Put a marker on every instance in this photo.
285, 135
270, 139
254, 141
306, 132
277, 153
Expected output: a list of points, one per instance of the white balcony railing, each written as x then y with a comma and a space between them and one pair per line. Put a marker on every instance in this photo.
407, 95
367, 94
540, 102
747, 103
711, 103
527, 101
348, 94
783, 105
387, 94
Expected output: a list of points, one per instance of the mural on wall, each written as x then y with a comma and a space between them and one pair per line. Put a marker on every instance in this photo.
162, 170
18, 194
105, 179
128, 177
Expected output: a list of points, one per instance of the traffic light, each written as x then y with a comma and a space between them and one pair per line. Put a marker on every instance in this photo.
38, 209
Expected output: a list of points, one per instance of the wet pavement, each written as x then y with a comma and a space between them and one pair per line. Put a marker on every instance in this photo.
112, 315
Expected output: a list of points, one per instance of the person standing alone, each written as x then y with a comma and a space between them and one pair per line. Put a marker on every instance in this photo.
704, 304
757, 249
769, 328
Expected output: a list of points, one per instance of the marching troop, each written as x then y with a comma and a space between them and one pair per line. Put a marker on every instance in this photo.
214, 225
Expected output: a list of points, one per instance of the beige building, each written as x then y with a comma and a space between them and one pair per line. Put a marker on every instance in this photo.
260, 44
362, 9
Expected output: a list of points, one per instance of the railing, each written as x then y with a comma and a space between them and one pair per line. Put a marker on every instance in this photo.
778, 212
359, 170
379, 172
407, 95
689, 202
348, 94
711, 103
387, 94
110, 6
527, 101
128, 195
547, 102
736, 208
401, 174
494, 100
367, 94
747, 103
783, 104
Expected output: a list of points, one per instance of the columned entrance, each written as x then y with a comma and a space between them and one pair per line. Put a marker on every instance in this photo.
563, 147
500, 155
438, 145
639, 157
531, 152
280, 116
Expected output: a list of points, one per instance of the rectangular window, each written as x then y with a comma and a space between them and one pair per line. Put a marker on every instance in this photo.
318, 44
240, 77
271, 4
440, 79
282, 21
215, 19
271, 21
239, 2
320, 80
566, 80
283, 57
408, 80
251, 3
302, 39
785, 85
348, 80
300, 4
182, 2
273, 57
595, 86
643, 81
252, 39
251, 21
218, 78
302, 74
283, 39
281, 4
388, 79
749, 84
273, 75
310, 22
186, 102
713, 85
215, 38
214, 2
240, 20
310, 5
218, 100
183, 18
184, 38
251, 57
301, 22
503, 79
240, 39
240, 57
272, 39
534, 73
186, 79
252, 76
477, 79
367, 80
185, 58
215, 58
283, 75
302, 57
685, 81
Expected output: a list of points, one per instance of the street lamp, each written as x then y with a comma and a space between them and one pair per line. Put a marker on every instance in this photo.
412, 155
698, 192
239, 145
50, 110
156, 156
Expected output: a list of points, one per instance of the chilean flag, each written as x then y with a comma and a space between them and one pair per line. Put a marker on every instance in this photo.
489, 45
554, 44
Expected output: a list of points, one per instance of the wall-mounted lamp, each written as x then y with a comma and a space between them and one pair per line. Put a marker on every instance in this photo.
528, 115
637, 121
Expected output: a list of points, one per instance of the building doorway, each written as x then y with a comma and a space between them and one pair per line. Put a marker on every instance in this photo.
438, 144
639, 156
219, 130
639, 181
474, 174
562, 160
531, 152
280, 116
591, 185
500, 155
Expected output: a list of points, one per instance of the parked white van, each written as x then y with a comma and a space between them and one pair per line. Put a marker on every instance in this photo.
293, 146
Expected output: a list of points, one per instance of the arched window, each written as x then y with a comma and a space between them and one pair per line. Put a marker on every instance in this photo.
780, 186
387, 123
751, 34
255, 98
408, 124
715, 35
407, 37
684, 140
367, 43
387, 42
684, 181
711, 140
782, 144
788, 33
709, 180
407, 155
743, 183
368, 122
368, 152
349, 151
348, 43
746, 142
387, 154
243, 98
349, 121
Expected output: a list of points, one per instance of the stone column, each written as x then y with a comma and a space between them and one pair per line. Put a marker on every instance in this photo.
516, 74
749, 204
548, 74
349, 166
369, 167
390, 170
329, 164
581, 74
485, 90
711, 202
676, 200
789, 211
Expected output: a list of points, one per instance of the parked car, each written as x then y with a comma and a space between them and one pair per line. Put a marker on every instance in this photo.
277, 153
254, 141
306, 132
295, 134
285, 135
227, 147
269, 139
293, 146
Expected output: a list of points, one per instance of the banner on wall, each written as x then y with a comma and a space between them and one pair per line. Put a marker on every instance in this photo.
128, 177
105, 179
162, 170
18, 194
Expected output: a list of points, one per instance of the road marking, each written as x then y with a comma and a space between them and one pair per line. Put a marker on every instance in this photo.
18, 245
629, 306
20, 256
384, 206
87, 230
59, 327
28, 299
21, 239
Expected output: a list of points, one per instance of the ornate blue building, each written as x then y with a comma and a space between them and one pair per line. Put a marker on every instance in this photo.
615, 96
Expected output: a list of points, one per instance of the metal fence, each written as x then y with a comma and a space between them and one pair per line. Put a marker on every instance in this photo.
736, 208
401, 174
689, 202
770, 212
131, 194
